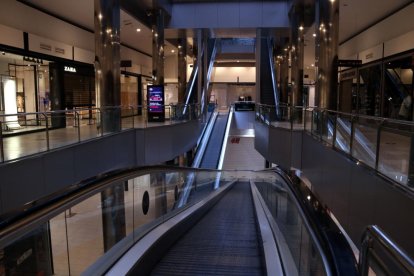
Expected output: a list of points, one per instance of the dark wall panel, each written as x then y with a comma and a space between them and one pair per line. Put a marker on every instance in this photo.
356, 195
34, 177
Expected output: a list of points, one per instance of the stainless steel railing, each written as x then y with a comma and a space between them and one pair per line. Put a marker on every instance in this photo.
382, 255
53, 129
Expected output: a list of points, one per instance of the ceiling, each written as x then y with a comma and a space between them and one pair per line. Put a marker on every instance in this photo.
355, 16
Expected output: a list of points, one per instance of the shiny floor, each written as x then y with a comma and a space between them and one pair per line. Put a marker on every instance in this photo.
29, 143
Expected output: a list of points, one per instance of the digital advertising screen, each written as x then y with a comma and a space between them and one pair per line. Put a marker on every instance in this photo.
155, 98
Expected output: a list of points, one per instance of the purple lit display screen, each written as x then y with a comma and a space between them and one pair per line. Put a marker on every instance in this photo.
155, 98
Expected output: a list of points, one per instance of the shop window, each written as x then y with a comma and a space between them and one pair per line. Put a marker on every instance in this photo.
348, 91
370, 90
398, 88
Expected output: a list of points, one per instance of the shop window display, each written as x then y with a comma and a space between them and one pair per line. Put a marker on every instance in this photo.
370, 90
398, 88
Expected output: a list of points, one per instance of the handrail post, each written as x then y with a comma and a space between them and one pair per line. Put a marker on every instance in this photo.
133, 116
351, 142
377, 149
312, 116
335, 126
363, 264
47, 131
1, 141
78, 124
100, 120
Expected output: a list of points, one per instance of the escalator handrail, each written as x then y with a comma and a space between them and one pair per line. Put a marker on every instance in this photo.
324, 251
375, 233
21, 221
226, 135
273, 74
209, 72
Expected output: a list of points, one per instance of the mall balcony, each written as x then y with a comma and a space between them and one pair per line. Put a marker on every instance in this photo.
206, 137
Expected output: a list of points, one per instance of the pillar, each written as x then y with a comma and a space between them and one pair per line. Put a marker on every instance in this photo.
199, 64
182, 69
297, 52
158, 47
258, 65
284, 75
326, 54
107, 63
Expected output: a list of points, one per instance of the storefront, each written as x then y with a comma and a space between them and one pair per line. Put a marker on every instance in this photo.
31, 85
381, 88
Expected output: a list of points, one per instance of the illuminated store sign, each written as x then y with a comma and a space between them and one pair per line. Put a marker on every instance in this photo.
70, 69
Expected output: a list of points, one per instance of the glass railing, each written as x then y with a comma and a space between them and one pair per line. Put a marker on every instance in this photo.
381, 144
296, 238
86, 228
25, 134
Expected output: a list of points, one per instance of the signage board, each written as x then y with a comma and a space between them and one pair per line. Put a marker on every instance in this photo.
155, 99
349, 63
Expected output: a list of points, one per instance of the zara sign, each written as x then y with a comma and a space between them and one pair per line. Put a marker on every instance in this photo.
70, 69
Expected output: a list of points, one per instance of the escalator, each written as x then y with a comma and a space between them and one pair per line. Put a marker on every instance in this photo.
223, 242
260, 225
212, 152
269, 94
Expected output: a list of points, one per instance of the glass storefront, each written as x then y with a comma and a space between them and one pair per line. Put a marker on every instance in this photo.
398, 88
348, 87
380, 89
370, 90
24, 89
31, 85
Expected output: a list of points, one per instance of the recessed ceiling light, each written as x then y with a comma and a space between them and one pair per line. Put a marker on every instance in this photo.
138, 30
172, 51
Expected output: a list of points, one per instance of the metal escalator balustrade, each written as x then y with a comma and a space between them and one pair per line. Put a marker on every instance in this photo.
93, 225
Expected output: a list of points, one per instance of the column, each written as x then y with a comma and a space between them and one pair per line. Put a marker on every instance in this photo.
326, 54
199, 64
258, 63
206, 57
182, 68
158, 47
107, 63
297, 53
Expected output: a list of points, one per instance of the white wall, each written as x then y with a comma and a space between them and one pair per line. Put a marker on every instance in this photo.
397, 25
141, 64
230, 74
171, 69
21, 17
17, 18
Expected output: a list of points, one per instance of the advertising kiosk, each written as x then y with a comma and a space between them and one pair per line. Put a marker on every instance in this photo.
155, 97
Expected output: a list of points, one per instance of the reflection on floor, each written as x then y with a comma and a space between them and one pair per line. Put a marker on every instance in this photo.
31, 143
